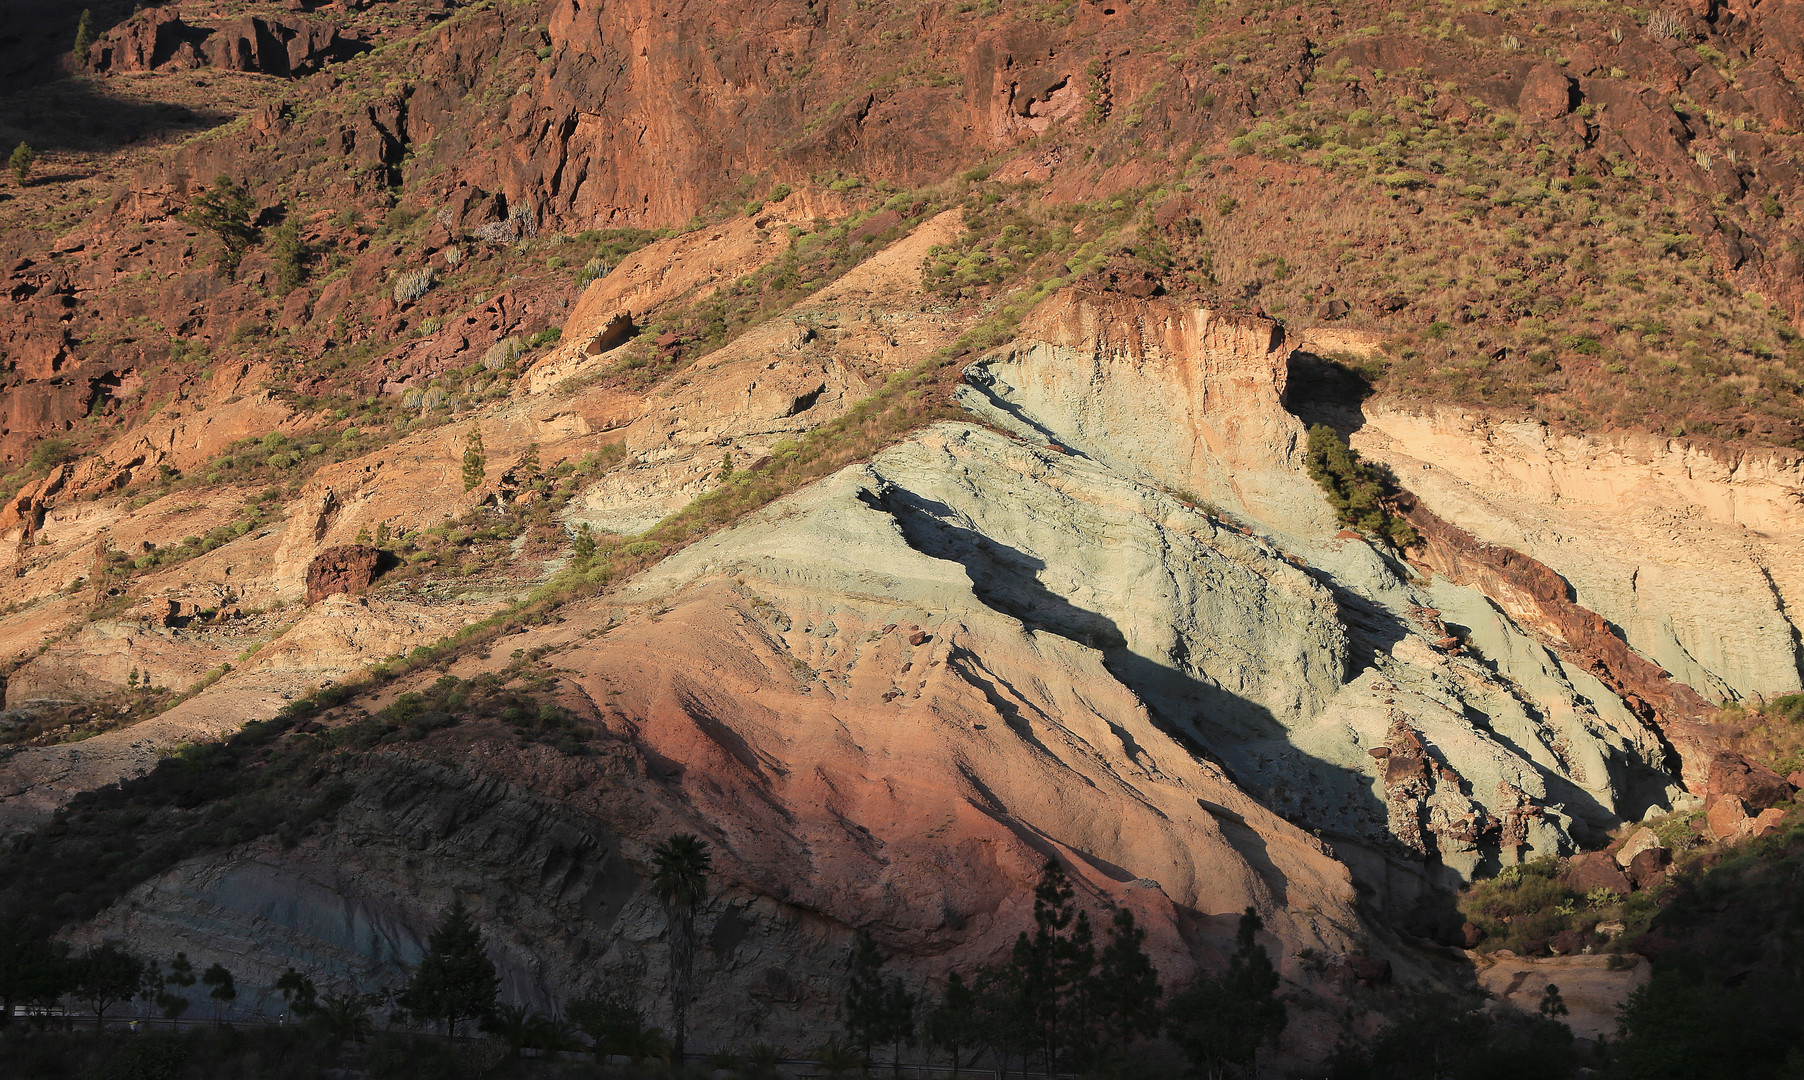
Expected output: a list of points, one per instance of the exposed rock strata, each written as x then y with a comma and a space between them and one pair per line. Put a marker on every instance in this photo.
1695, 555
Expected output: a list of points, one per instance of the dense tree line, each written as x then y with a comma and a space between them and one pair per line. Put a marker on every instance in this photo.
1069, 996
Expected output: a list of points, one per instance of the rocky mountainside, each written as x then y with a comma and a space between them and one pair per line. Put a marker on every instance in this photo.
888, 442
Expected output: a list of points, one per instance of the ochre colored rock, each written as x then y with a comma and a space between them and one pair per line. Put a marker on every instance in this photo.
1399, 768
155, 37
1595, 870
346, 569
1766, 822
1634, 844
1726, 817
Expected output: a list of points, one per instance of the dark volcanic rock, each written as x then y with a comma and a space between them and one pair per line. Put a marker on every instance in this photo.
1648, 867
346, 569
1753, 783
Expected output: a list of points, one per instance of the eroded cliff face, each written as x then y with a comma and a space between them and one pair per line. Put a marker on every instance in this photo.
1695, 554
1107, 618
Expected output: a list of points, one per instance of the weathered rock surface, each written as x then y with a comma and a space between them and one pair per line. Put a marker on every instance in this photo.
1213, 390
1696, 556
348, 569
1596, 870
159, 38
1594, 987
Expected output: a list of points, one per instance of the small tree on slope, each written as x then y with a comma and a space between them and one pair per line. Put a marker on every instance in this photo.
456, 981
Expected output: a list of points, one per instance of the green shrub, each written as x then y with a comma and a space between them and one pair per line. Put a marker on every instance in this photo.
21, 161
49, 453
1356, 490
225, 211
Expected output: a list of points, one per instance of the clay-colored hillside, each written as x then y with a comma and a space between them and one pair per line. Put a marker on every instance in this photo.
455, 447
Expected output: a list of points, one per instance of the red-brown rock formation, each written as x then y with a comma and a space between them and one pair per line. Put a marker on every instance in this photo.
348, 568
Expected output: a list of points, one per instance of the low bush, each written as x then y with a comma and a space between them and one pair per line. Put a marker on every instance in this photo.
1358, 491
413, 284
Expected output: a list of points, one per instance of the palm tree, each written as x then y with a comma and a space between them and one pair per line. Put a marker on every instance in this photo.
837, 1059
346, 1018
680, 877
521, 1026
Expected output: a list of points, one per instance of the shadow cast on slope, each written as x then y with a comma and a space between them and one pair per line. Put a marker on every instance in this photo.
1192, 710
1323, 390
1318, 390
77, 114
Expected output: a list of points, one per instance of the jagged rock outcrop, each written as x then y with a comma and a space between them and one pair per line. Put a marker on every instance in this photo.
159, 38
1192, 402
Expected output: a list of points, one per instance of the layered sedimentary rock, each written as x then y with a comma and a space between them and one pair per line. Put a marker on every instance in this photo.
1112, 621
1695, 555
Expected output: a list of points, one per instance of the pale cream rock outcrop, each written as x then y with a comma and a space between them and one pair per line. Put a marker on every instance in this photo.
1696, 554
1594, 987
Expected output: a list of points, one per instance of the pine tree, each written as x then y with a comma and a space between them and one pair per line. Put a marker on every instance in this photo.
475, 464
290, 252
23, 158
1221, 1021
298, 991
1126, 987
953, 1025
181, 974
583, 545
455, 981
878, 1010
84, 35
225, 211
1049, 966
864, 995
225, 991
680, 878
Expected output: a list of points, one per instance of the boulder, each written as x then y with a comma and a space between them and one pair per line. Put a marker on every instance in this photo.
1570, 942
1648, 867
1726, 817
1595, 870
1546, 94
1755, 784
348, 569
1766, 822
1371, 970
1639, 840
1402, 768
1472, 933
